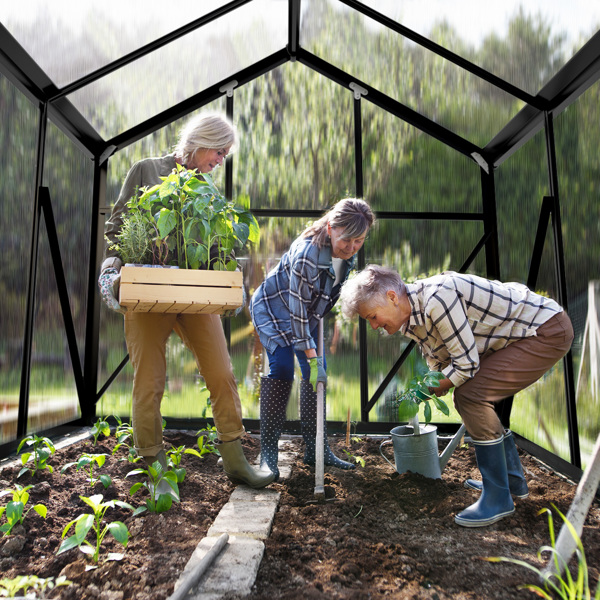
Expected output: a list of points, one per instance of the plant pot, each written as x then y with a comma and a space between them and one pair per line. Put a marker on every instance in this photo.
188, 291
419, 453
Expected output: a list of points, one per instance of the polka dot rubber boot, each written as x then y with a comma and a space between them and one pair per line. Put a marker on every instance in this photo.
274, 396
308, 420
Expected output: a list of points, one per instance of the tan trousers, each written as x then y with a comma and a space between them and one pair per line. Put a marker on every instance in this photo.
509, 371
146, 335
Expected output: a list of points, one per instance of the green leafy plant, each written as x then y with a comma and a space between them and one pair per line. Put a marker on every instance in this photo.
135, 239
9, 588
174, 456
87, 462
42, 449
557, 585
15, 512
186, 216
417, 394
357, 459
100, 427
124, 434
86, 522
206, 440
161, 485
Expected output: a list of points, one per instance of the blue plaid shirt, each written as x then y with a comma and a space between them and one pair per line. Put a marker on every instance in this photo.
288, 304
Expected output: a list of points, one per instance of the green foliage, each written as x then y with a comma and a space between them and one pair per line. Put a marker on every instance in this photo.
417, 394
135, 239
158, 478
86, 522
11, 588
100, 427
87, 461
174, 456
206, 440
357, 459
561, 584
42, 449
124, 435
188, 216
15, 512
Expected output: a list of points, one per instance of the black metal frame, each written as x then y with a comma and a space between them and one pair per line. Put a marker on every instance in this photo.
573, 79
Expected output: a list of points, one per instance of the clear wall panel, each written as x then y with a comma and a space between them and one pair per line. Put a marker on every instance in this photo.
18, 141
577, 133
296, 140
523, 43
410, 74
183, 68
539, 412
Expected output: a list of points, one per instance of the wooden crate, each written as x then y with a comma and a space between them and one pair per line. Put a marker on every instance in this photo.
147, 289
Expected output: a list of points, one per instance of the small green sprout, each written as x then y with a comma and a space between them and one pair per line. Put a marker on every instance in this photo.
86, 522
87, 461
42, 449
15, 512
11, 588
100, 427
161, 485
357, 459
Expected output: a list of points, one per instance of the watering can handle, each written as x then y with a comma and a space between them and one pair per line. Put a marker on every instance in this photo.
382, 454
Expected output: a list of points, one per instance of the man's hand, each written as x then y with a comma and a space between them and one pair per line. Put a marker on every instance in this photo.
442, 389
317, 371
108, 282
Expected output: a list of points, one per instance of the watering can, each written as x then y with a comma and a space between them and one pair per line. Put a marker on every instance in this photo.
419, 453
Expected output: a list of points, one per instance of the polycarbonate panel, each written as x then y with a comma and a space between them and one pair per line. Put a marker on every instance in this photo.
523, 43
416, 249
577, 132
296, 140
17, 184
405, 170
184, 67
70, 39
412, 75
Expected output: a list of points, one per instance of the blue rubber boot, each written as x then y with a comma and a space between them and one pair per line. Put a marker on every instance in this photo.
516, 479
308, 421
495, 502
274, 397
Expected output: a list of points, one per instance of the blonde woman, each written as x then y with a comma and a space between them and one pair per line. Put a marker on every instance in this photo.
203, 145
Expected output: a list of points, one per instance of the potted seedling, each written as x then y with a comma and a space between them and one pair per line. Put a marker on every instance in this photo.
416, 444
184, 223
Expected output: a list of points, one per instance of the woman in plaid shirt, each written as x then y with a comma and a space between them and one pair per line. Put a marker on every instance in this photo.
489, 339
286, 309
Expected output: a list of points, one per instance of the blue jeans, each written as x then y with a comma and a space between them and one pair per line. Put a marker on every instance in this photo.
281, 362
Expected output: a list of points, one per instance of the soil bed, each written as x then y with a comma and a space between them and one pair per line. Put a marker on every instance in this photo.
382, 535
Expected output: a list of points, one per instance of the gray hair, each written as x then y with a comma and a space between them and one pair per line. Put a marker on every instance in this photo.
353, 215
369, 287
205, 131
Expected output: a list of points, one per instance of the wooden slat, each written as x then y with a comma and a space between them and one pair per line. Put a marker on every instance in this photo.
183, 277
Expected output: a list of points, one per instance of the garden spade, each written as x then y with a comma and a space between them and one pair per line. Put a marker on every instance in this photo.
319, 442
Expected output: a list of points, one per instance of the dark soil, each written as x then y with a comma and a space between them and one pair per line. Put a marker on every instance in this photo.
379, 535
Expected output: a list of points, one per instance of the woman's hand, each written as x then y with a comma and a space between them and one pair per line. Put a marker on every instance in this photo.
317, 371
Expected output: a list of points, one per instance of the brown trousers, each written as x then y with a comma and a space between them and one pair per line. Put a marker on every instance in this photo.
146, 335
509, 371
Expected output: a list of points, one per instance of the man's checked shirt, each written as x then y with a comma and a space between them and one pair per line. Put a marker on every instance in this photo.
458, 319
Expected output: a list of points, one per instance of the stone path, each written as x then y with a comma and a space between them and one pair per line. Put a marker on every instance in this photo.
247, 519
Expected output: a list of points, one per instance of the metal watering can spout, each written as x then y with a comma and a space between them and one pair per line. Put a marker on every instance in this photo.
449, 449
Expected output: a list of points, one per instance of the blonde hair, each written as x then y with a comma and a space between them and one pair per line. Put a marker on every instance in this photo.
205, 130
352, 214
369, 287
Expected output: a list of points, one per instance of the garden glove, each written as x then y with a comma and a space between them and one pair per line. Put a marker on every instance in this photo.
317, 371
108, 282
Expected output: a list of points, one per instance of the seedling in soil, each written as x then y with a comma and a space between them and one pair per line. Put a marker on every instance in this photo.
161, 485
87, 461
86, 522
558, 586
357, 459
124, 434
174, 456
100, 427
10, 588
15, 512
206, 440
42, 449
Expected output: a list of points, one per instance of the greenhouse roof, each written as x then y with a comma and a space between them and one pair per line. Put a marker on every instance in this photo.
79, 56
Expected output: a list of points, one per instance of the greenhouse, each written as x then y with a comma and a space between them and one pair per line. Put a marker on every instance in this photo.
468, 131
